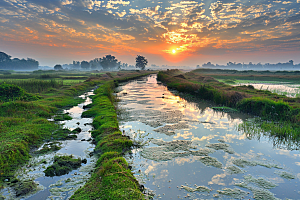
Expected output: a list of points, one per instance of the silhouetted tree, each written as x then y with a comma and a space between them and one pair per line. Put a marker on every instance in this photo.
58, 67
109, 62
85, 65
17, 64
4, 57
141, 62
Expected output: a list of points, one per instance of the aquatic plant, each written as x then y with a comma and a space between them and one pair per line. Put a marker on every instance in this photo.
210, 161
285, 174
221, 146
234, 193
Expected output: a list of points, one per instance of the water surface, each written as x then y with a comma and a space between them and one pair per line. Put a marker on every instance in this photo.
195, 152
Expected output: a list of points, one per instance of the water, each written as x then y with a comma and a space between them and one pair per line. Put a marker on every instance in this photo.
287, 89
61, 187
207, 149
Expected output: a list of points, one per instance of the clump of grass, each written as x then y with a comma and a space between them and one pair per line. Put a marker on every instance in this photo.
63, 165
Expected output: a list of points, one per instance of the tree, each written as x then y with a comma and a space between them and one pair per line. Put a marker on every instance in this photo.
58, 67
109, 62
85, 65
4, 57
141, 62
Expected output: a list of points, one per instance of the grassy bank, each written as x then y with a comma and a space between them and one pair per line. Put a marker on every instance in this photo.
282, 111
112, 179
24, 125
23, 121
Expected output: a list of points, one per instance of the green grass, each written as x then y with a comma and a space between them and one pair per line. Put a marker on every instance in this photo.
116, 179
24, 124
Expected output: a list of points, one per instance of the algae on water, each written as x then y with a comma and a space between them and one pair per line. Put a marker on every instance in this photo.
172, 149
197, 188
169, 129
243, 163
235, 170
210, 161
221, 146
262, 194
260, 182
285, 175
234, 193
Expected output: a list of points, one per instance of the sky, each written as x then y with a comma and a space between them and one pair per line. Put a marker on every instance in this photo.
178, 33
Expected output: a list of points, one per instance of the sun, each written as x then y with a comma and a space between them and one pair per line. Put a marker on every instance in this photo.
173, 51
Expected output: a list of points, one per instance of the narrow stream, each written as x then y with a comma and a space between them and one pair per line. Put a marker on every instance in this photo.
191, 151
61, 187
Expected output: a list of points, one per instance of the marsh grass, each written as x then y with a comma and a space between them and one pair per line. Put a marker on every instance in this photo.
35, 86
281, 114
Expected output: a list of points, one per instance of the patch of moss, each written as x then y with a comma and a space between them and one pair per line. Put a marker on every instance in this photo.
49, 147
24, 187
62, 165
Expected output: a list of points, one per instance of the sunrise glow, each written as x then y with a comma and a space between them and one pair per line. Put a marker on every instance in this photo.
208, 30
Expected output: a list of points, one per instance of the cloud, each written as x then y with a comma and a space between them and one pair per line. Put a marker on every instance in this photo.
199, 27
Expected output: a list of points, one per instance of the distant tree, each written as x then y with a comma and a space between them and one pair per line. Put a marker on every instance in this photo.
76, 64
58, 67
94, 66
85, 65
109, 62
141, 62
4, 57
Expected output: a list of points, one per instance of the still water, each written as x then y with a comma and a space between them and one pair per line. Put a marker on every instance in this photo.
191, 151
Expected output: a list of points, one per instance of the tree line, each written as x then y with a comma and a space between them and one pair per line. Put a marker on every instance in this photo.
106, 63
7, 63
